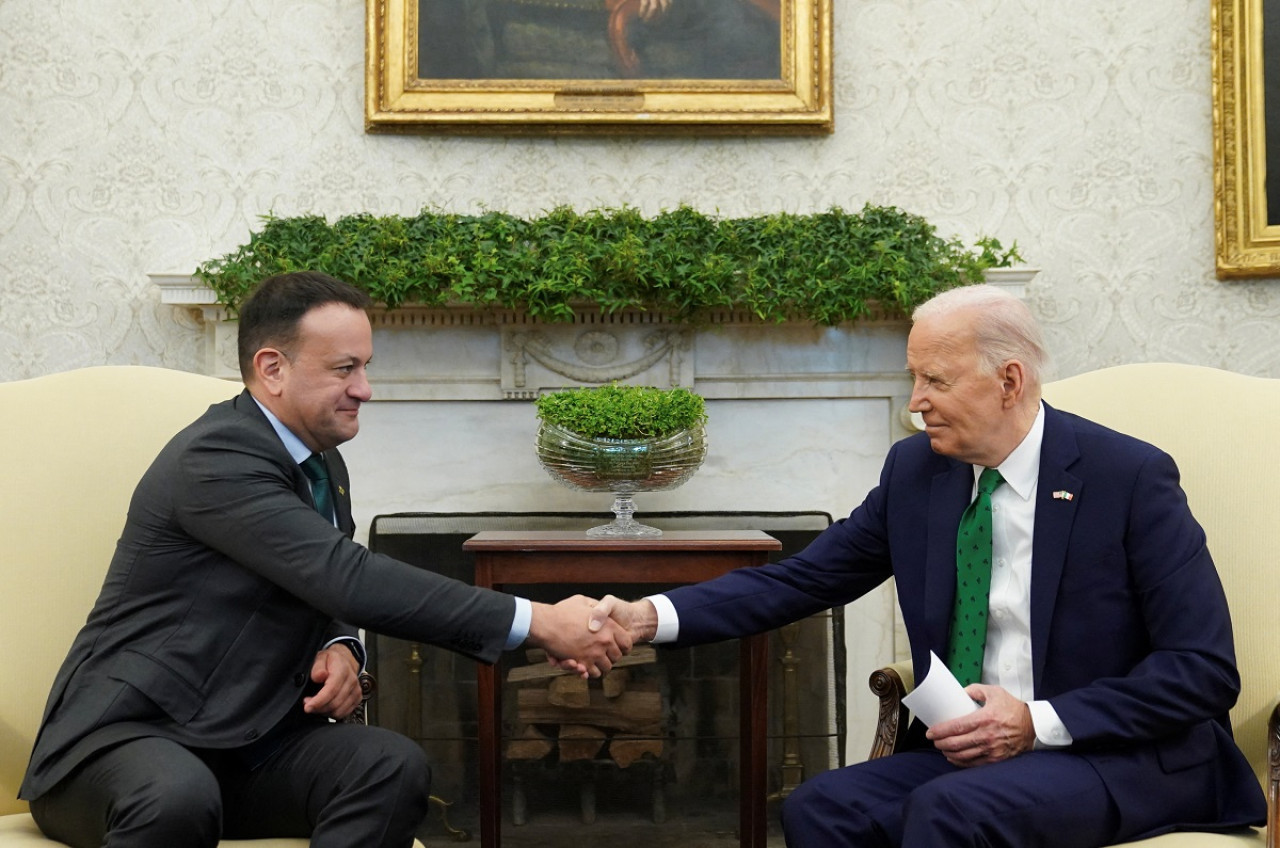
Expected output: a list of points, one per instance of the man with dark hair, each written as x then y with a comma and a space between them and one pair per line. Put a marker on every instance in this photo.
1056, 566
196, 702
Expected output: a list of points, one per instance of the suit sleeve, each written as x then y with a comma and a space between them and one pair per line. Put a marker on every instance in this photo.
239, 499
845, 561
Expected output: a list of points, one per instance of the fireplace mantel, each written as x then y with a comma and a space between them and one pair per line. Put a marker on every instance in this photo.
464, 353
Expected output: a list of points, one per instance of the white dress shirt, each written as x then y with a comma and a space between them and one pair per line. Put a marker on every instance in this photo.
1006, 661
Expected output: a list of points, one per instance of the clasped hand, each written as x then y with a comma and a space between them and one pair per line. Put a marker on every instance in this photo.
336, 670
565, 631
1000, 729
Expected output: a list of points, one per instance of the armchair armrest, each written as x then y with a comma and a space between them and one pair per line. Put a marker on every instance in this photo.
1273, 778
367, 686
891, 684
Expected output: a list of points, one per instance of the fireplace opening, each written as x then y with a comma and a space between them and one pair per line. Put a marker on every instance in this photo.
650, 751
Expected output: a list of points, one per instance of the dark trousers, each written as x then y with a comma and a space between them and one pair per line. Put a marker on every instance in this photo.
1041, 799
341, 785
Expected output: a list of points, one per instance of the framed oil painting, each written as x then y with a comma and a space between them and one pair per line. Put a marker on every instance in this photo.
606, 66
1246, 123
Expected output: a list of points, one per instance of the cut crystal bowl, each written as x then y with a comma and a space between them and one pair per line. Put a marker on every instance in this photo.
621, 466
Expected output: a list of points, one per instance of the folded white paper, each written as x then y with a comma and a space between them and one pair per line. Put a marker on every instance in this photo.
939, 697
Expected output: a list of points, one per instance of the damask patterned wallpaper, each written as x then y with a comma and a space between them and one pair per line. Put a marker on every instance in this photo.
143, 136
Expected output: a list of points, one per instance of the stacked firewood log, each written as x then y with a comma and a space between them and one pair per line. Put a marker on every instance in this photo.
618, 716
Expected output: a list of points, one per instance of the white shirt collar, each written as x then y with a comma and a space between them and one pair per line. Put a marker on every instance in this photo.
1021, 468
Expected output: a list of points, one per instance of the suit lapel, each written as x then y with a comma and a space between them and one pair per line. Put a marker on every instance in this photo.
338, 477
302, 484
248, 407
1053, 520
341, 491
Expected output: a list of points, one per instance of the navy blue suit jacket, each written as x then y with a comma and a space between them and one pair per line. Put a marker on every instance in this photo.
1130, 635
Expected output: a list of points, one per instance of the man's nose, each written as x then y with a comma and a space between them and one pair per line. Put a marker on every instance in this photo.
360, 388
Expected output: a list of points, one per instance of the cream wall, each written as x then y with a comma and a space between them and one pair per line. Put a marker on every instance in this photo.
144, 136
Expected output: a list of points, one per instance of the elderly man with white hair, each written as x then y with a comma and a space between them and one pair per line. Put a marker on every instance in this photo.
1057, 568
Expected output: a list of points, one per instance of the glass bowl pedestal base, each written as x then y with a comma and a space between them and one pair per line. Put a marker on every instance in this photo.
624, 524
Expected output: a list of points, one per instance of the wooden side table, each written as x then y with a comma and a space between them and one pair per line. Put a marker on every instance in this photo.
521, 557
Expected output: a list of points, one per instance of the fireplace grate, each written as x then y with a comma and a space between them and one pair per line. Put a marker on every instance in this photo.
429, 694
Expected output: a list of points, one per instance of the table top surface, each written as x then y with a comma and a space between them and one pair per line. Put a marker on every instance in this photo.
682, 540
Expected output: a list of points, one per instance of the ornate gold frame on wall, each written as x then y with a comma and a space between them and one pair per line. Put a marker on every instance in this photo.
1247, 244
397, 99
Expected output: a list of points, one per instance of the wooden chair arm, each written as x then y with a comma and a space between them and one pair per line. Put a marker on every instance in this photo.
367, 687
891, 684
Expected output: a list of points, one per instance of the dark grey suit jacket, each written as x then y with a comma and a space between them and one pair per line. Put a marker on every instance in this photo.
224, 585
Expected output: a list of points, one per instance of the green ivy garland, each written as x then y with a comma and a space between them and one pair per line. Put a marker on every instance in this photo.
826, 267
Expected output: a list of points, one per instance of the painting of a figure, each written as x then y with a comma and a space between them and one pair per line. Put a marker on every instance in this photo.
599, 39
650, 67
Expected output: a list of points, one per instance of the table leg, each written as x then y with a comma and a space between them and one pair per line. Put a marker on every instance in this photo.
753, 707
489, 704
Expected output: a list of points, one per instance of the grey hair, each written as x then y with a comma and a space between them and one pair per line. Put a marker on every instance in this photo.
1003, 327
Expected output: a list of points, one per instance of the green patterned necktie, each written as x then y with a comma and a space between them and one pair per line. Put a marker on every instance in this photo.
321, 492
973, 582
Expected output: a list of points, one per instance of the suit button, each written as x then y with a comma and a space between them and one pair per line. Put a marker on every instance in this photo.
251, 735
299, 679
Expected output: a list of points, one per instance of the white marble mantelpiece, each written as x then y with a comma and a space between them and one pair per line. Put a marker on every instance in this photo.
800, 418
460, 353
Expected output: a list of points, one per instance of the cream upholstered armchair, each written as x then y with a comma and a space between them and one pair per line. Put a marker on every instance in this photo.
1220, 428
76, 443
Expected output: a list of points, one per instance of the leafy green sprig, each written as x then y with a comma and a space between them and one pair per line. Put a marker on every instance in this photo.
995, 255
622, 412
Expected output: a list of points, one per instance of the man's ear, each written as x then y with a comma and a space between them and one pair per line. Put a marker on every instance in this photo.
1013, 382
269, 366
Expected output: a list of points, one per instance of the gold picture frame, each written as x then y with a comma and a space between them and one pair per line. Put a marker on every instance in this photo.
1246, 215
599, 66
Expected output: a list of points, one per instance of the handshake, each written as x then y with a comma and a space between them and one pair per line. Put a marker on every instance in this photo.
587, 637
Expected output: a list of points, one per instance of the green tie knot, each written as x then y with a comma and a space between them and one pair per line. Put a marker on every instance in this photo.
988, 481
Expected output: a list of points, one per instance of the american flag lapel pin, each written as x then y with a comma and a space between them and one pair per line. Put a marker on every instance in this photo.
1063, 495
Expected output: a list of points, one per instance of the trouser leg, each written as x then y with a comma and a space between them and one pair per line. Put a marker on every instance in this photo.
1041, 799
918, 800
139, 794
860, 805
342, 784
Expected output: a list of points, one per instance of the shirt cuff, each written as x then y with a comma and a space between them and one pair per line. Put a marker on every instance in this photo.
668, 619
519, 624
1050, 731
352, 644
